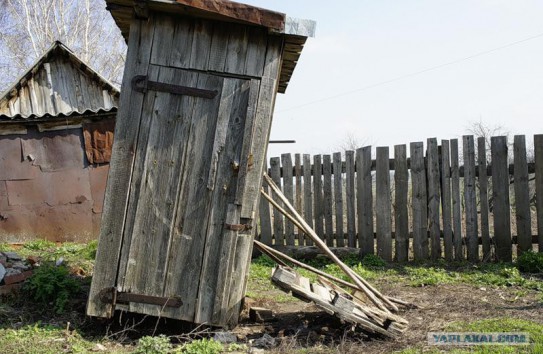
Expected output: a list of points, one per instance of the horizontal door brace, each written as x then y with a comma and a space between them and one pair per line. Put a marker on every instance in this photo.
141, 83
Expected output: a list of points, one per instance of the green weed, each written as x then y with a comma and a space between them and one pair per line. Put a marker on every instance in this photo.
52, 284
530, 262
203, 346
154, 345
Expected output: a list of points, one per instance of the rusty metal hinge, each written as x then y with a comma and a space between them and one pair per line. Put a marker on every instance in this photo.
112, 296
238, 227
141, 83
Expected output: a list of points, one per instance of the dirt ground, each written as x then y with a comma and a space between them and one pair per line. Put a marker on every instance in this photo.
438, 306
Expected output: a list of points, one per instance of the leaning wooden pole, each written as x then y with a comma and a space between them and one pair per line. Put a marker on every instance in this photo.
320, 244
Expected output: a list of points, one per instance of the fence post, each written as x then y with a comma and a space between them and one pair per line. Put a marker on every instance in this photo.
288, 191
470, 199
382, 205
419, 200
338, 199
298, 192
364, 198
483, 197
500, 194
278, 227
264, 216
308, 195
522, 196
350, 196
328, 200
538, 147
318, 202
401, 217
434, 198
456, 203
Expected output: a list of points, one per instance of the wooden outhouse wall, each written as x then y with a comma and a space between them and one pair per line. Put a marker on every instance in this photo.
186, 171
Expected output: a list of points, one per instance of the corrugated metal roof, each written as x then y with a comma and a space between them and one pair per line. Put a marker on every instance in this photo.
4, 118
295, 31
58, 84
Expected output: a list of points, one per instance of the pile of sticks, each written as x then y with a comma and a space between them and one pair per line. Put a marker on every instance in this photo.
375, 310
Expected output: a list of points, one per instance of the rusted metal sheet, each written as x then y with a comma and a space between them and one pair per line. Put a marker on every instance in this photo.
54, 151
13, 165
98, 179
71, 222
98, 140
58, 83
51, 188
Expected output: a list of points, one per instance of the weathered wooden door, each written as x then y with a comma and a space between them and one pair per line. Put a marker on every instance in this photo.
181, 234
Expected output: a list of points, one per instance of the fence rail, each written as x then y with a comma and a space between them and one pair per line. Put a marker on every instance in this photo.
440, 202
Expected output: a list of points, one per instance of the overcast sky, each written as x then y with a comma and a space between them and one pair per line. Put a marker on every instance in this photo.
339, 87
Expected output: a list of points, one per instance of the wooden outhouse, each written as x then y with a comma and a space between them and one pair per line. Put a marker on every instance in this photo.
190, 142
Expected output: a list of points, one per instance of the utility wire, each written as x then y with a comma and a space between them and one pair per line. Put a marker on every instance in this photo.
386, 82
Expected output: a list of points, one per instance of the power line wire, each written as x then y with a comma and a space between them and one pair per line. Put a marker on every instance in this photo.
382, 83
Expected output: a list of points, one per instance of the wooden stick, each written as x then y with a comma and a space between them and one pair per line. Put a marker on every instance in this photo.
325, 248
281, 210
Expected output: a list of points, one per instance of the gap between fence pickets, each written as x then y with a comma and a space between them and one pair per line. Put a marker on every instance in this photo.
378, 299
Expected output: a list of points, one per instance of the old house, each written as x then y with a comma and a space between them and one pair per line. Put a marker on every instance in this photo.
56, 133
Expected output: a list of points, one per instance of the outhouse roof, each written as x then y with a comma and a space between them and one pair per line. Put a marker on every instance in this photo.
58, 84
294, 30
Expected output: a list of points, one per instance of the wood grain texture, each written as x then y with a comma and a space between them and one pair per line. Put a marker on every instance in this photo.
500, 195
522, 196
364, 198
401, 217
288, 191
308, 194
350, 197
265, 220
433, 179
446, 200
298, 193
278, 219
318, 196
456, 202
538, 149
483, 196
470, 198
419, 202
328, 199
382, 205
116, 196
338, 199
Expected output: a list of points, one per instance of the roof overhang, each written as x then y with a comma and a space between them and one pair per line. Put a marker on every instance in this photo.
295, 31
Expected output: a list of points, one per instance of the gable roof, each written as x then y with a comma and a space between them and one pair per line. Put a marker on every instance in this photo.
58, 84
294, 31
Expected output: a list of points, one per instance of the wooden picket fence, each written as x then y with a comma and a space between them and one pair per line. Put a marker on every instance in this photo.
430, 205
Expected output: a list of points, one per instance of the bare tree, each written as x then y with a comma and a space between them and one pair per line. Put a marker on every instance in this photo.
29, 27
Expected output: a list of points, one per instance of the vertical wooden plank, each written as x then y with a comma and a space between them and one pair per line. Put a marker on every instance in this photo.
522, 196
308, 194
483, 196
338, 199
538, 147
254, 61
299, 192
237, 43
264, 216
122, 160
446, 200
201, 44
350, 198
219, 47
382, 205
500, 194
182, 43
162, 44
419, 202
318, 197
470, 200
328, 200
433, 198
364, 199
456, 202
288, 191
278, 226
401, 221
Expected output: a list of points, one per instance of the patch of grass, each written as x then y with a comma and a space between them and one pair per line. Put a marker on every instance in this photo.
203, 346
43, 339
530, 262
52, 284
430, 276
154, 345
